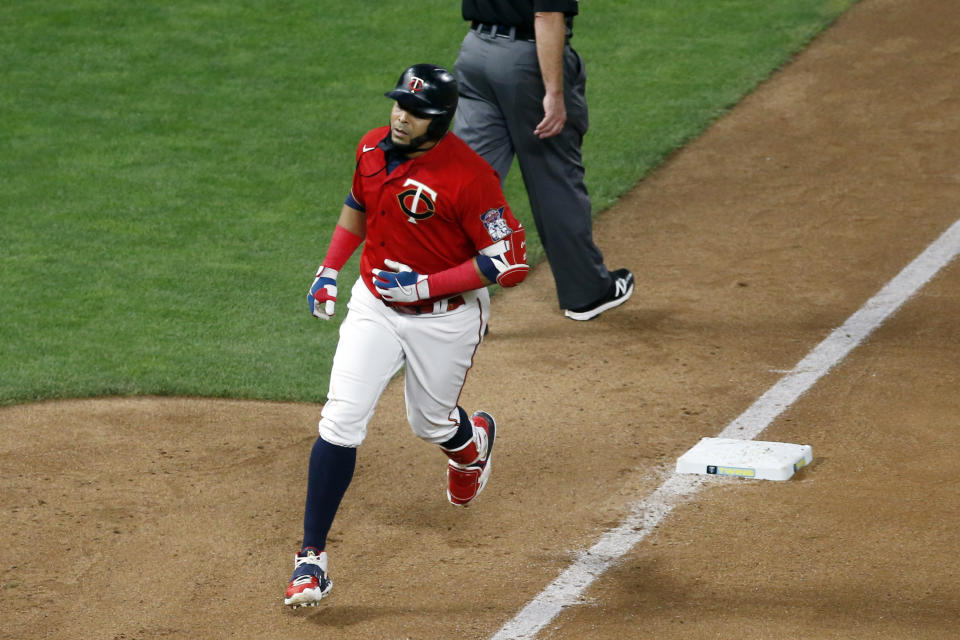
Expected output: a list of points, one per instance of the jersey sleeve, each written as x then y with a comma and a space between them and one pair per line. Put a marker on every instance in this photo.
353, 204
485, 215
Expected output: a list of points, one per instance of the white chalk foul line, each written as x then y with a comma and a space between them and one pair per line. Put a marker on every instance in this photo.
645, 515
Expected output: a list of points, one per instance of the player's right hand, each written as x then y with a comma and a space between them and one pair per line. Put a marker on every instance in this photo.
323, 293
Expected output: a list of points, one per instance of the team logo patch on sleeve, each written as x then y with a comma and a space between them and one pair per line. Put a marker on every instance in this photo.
496, 226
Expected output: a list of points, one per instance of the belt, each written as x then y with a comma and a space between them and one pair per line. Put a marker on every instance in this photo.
447, 304
504, 31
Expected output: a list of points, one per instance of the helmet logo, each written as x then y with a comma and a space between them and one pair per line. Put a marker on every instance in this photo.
415, 84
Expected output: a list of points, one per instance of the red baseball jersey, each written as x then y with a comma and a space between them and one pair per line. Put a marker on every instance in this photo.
432, 212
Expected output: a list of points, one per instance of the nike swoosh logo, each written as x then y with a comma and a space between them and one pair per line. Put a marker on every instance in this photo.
366, 148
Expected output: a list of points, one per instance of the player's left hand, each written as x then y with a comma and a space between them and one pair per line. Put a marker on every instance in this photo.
401, 284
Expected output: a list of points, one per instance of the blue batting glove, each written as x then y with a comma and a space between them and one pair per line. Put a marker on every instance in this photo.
401, 284
323, 293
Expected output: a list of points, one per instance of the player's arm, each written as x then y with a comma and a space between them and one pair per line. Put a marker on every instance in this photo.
353, 218
551, 35
347, 236
504, 262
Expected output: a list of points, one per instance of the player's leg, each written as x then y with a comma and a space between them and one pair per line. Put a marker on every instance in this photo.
368, 355
440, 351
469, 451
479, 121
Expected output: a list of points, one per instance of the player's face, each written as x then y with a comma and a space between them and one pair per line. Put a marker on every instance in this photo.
406, 128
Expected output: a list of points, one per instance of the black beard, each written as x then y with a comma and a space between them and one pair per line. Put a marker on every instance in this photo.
411, 147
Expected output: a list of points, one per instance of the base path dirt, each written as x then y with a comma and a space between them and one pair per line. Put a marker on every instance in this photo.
148, 518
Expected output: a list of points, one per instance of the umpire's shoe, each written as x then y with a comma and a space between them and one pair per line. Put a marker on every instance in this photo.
310, 582
469, 469
620, 291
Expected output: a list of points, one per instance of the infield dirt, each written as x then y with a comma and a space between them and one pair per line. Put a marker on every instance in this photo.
148, 518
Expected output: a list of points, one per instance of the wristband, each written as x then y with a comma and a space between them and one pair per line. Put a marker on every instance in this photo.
342, 245
458, 279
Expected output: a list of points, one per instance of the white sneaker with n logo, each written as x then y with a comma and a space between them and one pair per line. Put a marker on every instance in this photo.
620, 291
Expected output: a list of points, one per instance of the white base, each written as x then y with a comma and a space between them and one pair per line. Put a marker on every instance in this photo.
745, 458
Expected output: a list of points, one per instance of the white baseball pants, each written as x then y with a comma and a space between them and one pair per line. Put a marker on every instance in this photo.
376, 341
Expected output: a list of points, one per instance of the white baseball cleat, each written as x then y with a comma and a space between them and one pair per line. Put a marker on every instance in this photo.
310, 582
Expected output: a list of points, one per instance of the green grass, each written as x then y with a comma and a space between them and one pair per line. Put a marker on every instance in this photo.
171, 171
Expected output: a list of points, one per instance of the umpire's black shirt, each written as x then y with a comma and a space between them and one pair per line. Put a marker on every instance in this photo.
514, 13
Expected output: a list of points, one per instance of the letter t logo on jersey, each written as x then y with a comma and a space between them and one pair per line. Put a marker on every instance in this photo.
411, 200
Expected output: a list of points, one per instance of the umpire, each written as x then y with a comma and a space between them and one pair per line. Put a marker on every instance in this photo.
522, 91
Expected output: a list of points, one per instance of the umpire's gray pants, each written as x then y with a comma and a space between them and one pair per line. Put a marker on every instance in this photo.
501, 103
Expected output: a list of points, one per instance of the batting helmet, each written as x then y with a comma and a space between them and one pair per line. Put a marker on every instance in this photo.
428, 91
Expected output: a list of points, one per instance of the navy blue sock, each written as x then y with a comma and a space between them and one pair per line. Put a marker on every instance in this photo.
331, 469
463, 434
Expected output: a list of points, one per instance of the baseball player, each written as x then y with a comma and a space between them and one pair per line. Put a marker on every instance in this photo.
436, 230
522, 92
